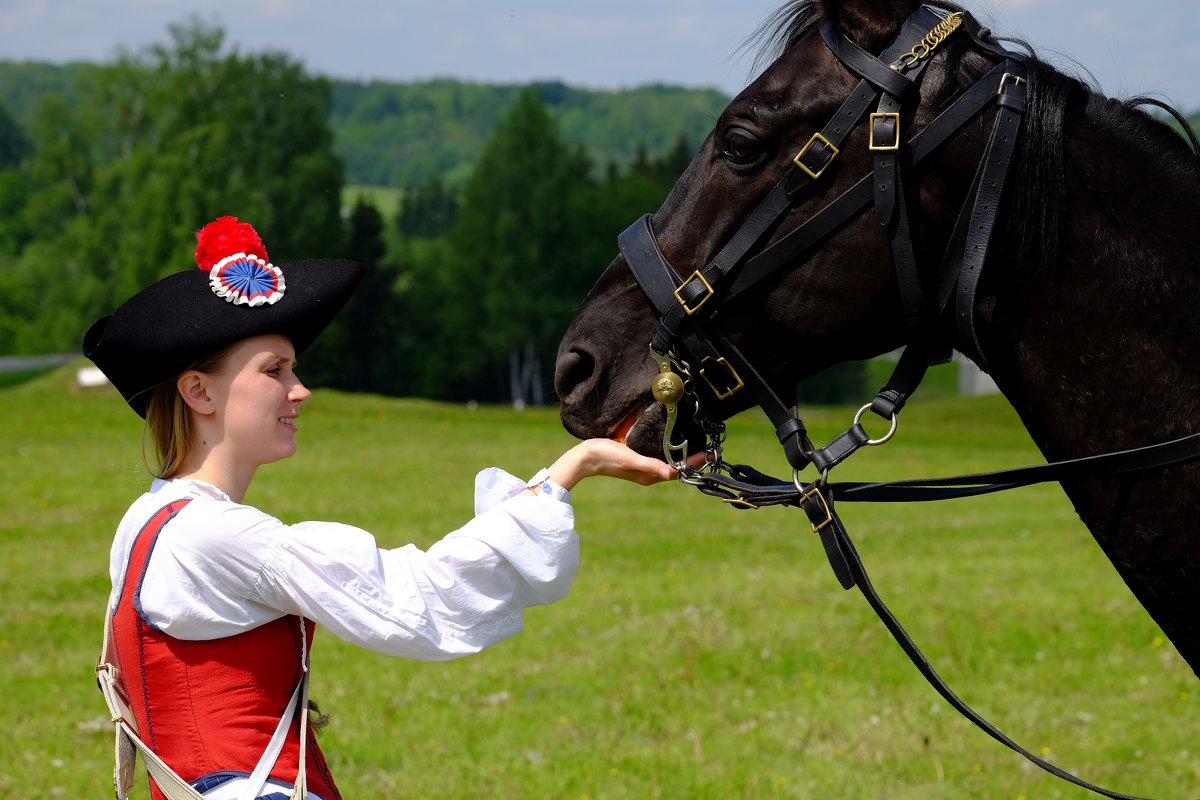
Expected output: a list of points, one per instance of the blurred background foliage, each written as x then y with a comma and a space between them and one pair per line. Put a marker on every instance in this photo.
486, 212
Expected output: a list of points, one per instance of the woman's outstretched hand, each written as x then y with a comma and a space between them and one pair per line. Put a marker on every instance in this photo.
594, 457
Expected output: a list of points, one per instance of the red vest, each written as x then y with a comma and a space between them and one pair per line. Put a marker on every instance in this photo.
208, 706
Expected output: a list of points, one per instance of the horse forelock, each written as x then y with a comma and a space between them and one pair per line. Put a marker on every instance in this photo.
869, 23
782, 30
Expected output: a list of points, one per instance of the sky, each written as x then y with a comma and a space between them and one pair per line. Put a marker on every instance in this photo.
1130, 48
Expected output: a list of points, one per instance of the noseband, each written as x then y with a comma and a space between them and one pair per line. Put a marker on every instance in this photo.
695, 357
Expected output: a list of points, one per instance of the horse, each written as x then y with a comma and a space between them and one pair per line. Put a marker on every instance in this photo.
1083, 308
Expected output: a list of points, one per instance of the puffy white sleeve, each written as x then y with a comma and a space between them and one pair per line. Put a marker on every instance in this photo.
461, 595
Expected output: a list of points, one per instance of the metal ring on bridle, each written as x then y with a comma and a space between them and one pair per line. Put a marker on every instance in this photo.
821, 480
886, 437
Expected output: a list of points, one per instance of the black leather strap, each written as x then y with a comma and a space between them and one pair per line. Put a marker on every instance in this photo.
904, 380
654, 275
997, 158
855, 199
1171, 453
917, 313
873, 69
748, 488
886, 128
844, 559
891, 202
705, 345
816, 156
842, 447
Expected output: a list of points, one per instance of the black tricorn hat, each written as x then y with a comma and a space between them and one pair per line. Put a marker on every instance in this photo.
236, 294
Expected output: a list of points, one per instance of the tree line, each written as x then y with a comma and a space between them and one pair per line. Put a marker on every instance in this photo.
472, 281
394, 134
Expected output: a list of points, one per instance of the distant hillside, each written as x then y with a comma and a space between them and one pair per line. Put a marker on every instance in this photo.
397, 134
24, 83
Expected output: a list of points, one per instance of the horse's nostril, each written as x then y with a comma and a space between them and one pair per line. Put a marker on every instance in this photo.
573, 371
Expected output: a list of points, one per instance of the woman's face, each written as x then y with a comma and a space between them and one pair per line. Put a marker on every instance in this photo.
258, 397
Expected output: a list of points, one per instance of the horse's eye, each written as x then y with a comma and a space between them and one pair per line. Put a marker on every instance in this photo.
740, 147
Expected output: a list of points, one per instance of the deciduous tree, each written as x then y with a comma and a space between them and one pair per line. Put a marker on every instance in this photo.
168, 138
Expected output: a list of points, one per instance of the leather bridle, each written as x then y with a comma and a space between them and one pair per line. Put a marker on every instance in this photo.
686, 306
690, 347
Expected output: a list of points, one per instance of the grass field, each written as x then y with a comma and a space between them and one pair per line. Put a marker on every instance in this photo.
385, 198
704, 652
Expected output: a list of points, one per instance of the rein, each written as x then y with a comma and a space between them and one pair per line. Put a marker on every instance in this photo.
686, 306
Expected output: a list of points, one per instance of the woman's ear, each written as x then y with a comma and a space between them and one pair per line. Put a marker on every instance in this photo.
194, 389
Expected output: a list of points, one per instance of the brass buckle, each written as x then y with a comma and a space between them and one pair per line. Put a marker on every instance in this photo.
833, 153
1017, 80
885, 148
809, 495
732, 372
693, 309
739, 502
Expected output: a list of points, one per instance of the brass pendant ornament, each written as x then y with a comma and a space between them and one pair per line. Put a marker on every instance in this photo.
667, 388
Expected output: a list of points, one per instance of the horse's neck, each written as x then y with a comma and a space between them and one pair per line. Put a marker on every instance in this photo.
1099, 353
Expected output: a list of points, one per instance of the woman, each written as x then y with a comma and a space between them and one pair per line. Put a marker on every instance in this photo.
214, 602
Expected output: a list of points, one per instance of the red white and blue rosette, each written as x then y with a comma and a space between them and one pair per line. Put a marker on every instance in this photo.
246, 280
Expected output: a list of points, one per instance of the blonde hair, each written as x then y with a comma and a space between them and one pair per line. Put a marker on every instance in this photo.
169, 421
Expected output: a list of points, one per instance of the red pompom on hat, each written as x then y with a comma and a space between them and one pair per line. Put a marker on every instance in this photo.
225, 236
233, 255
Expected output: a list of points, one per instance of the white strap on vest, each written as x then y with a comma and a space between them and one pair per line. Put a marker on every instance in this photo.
174, 787
299, 698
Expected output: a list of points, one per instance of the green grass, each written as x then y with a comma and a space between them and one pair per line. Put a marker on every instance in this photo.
385, 198
17, 377
703, 652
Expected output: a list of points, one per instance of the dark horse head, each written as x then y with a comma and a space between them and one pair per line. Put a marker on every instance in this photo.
1085, 313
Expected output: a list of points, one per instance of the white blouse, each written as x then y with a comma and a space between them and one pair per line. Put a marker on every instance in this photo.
220, 568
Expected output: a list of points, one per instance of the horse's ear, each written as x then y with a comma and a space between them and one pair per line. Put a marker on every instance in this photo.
869, 23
